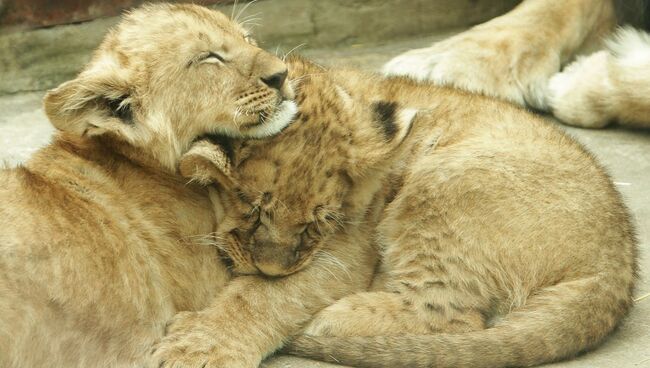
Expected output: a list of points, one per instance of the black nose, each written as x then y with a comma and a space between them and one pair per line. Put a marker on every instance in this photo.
276, 80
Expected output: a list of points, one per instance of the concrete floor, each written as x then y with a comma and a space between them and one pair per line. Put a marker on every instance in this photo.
626, 154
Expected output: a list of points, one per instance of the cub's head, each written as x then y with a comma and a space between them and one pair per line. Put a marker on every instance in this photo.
279, 200
168, 74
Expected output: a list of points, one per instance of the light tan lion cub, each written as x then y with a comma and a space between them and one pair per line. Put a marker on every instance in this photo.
502, 241
100, 240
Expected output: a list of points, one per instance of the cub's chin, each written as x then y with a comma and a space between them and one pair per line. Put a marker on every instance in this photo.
280, 118
260, 124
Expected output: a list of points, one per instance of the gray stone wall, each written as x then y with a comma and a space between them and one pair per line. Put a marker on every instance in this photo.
42, 58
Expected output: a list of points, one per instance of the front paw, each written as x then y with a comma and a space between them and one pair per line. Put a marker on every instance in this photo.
368, 314
481, 61
362, 314
195, 341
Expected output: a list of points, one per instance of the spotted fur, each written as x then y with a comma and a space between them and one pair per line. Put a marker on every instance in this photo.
496, 232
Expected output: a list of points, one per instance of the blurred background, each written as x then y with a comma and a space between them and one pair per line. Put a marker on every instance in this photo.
43, 43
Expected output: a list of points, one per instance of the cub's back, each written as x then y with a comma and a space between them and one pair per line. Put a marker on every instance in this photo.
497, 169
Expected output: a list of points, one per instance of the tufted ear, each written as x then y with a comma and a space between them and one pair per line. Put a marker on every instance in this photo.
208, 162
389, 125
98, 101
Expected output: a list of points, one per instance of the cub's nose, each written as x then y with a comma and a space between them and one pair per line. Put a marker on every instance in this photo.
274, 259
276, 80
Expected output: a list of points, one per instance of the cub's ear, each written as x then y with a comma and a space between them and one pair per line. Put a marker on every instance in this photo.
208, 162
389, 125
392, 121
98, 101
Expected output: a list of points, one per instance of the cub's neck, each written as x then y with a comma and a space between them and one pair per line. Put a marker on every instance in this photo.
116, 174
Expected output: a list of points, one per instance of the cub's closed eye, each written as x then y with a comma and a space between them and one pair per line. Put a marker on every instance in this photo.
213, 58
313, 230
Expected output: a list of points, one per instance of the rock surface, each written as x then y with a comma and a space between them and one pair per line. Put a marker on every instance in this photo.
42, 58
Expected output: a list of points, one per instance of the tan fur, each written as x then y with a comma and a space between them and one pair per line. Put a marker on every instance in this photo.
611, 85
502, 241
101, 242
518, 57
513, 56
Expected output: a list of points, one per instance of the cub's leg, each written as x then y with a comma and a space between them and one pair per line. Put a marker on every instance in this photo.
254, 316
610, 85
513, 56
431, 287
431, 280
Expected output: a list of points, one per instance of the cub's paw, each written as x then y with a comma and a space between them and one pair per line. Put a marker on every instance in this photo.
195, 341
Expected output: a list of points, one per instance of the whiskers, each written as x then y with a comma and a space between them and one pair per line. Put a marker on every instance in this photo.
333, 220
251, 21
238, 113
210, 239
331, 264
297, 81
234, 17
284, 57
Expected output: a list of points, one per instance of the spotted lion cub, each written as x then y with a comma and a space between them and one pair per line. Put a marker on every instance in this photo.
501, 241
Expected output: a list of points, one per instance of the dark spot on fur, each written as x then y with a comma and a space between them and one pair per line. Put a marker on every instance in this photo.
408, 285
432, 284
437, 269
458, 322
121, 111
434, 308
224, 143
434, 329
227, 261
457, 308
242, 196
384, 116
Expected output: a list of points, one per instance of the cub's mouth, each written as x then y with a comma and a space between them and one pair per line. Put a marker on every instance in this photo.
270, 121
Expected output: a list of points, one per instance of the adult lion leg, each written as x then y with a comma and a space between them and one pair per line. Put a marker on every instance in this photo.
610, 85
513, 56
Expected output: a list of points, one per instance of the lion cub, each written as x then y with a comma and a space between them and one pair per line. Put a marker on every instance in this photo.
100, 239
502, 242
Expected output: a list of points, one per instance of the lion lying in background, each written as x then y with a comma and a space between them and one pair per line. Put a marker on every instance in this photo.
520, 56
